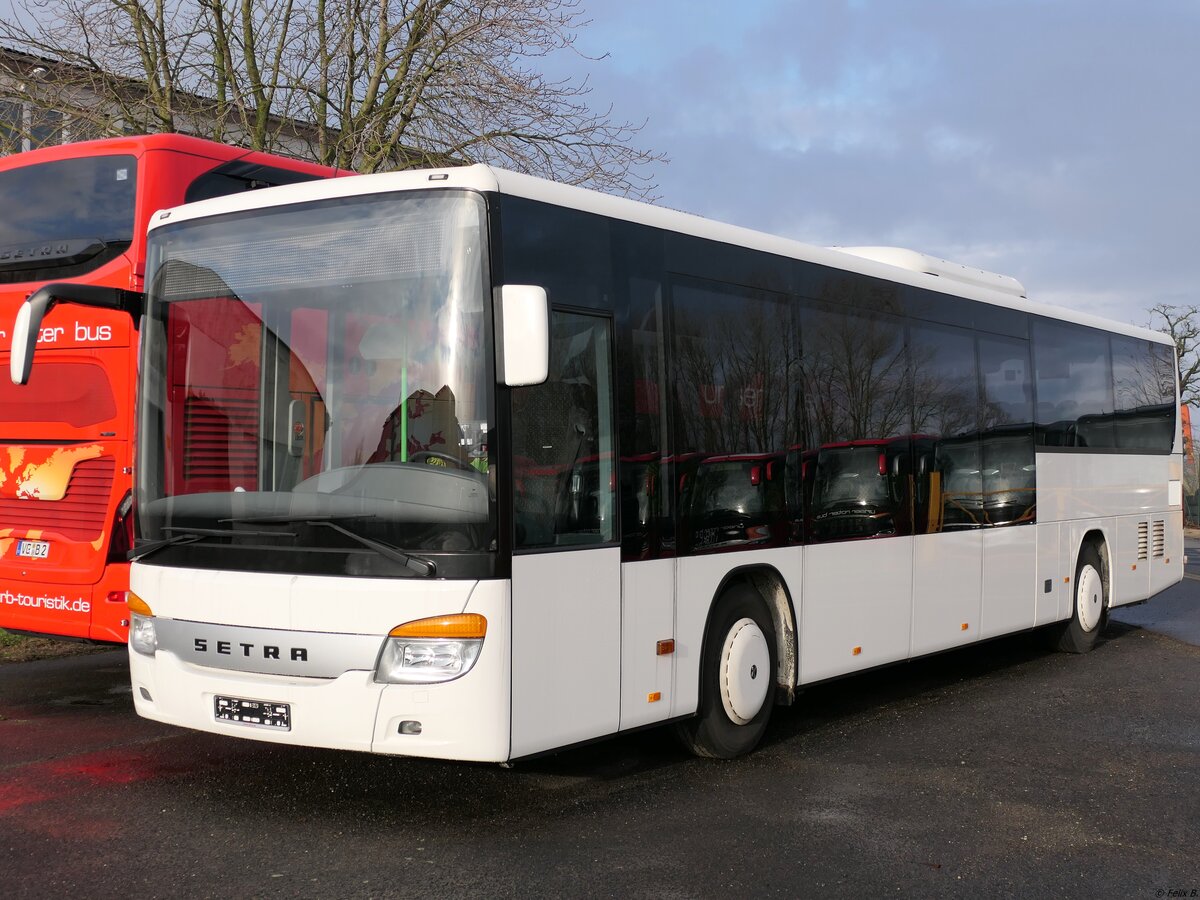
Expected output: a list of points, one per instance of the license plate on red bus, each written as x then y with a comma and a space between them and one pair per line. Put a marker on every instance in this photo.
33, 549
253, 712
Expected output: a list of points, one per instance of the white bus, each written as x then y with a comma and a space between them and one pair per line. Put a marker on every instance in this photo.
467, 464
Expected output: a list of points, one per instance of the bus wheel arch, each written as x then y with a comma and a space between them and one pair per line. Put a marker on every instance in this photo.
741, 661
771, 587
1091, 595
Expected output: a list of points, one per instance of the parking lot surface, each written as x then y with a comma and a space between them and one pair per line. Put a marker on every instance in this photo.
999, 770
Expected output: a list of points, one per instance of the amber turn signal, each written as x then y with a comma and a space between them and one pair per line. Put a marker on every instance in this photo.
460, 627
138, 605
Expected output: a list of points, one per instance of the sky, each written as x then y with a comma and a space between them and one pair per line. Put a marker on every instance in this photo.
1052, 140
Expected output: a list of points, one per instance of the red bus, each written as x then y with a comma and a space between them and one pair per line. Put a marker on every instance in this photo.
78, 213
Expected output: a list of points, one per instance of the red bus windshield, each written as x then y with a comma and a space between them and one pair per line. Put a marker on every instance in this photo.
65, 216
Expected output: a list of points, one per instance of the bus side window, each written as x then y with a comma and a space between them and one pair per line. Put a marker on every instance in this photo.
564, 485
237, 176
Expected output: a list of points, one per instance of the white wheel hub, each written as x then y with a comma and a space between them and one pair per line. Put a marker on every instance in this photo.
745, 671
1089, 598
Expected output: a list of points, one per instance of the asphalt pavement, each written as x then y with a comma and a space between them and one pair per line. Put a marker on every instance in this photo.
1001, 770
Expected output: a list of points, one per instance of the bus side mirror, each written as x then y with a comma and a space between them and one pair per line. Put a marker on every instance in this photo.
28, 324
522, 334
24, 338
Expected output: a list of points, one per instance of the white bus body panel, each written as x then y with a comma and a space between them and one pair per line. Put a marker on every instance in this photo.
1052, 566
467, 718
946, 577
1073, 486
295, 602
1131, 501
647, 617
857, 606
566, 648
1009, 580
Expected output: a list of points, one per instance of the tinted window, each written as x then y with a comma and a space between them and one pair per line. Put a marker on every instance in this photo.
948, 309
1006, 440
1144, 393
646, 467
1007, 382
72, 198
1009, 475
1000, 320
945, 380
563, 464
945, 420
1074, 385
565, 251
74, 215
736, 355
854, 422
854, 381
238, 176
1101, 392
736, 360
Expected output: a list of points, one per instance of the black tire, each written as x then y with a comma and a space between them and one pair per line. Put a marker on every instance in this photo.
740, 624
1089, 612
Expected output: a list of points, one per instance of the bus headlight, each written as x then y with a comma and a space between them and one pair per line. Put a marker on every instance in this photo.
427, 651
142, 635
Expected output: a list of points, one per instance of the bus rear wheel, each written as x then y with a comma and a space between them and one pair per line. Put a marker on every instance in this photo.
1079, 633
737, 688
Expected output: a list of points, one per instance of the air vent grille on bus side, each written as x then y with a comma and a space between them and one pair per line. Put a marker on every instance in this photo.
79, 516
220, 441
1159, 543
1143, 540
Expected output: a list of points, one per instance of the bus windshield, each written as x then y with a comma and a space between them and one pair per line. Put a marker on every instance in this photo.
849, 475
70, 211
316, 378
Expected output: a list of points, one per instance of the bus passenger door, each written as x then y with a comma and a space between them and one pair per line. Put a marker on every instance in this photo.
566, 571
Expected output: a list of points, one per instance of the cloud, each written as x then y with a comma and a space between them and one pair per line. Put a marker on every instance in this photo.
1052, 141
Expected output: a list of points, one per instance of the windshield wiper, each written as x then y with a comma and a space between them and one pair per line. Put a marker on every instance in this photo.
154, 546
191, 535
412, 563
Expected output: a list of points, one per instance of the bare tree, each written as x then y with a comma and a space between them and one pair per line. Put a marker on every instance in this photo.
855, 383
1182, 323
365, 84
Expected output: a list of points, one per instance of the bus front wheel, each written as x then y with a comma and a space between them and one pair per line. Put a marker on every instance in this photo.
1078, 634
737, 688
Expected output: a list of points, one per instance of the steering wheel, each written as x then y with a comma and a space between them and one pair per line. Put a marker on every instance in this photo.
433, 458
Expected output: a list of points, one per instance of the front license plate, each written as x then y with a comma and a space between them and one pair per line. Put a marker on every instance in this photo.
33, 549
253, 712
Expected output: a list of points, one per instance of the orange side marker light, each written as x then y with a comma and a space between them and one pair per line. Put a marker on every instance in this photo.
654, 697
665, 648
